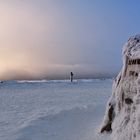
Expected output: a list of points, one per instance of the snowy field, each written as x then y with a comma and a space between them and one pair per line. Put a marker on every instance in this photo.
53, 110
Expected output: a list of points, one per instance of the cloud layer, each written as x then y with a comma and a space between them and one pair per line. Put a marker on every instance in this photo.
48, 39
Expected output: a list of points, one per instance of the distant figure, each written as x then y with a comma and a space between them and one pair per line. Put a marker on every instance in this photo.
71, 76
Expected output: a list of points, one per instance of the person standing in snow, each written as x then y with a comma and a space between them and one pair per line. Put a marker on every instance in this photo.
71, 76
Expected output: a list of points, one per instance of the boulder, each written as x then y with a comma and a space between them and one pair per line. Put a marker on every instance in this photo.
122, 117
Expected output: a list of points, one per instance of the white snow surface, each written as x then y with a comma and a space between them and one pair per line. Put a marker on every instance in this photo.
125, 96
53, 110
132, 47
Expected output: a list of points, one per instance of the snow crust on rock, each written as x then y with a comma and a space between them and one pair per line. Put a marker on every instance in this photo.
125, 98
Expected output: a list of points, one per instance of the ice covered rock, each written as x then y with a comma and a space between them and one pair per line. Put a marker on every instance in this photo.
122, 117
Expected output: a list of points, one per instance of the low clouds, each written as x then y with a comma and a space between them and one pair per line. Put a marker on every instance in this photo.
48, 39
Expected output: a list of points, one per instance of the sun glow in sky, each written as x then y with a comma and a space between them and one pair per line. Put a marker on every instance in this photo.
49, 39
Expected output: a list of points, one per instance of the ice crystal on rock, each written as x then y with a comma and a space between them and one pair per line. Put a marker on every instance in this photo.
122, 116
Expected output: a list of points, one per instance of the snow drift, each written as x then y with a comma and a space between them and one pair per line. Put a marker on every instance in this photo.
122, 116
53, 110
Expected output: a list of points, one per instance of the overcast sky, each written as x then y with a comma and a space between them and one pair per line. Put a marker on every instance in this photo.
50, 38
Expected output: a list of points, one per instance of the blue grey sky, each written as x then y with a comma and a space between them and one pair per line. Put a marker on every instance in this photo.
50, 38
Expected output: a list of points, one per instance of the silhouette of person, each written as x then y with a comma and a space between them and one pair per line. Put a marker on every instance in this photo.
71, 76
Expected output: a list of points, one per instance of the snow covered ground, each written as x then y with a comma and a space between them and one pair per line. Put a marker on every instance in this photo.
53, 110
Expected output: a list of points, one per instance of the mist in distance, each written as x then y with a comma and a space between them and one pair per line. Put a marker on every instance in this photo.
49, 39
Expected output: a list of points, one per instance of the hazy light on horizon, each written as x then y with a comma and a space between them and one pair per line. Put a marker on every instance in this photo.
48, 39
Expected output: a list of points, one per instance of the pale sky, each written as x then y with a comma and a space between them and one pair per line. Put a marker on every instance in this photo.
50, 38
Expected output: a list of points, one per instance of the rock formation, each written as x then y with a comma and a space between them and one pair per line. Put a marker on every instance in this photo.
122, 117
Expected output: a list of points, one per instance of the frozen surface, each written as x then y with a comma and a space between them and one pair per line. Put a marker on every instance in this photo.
53, 110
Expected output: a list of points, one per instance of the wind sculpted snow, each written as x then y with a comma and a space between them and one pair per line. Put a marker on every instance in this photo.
53, 110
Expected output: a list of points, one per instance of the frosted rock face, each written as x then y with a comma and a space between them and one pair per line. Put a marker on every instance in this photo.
122, 117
